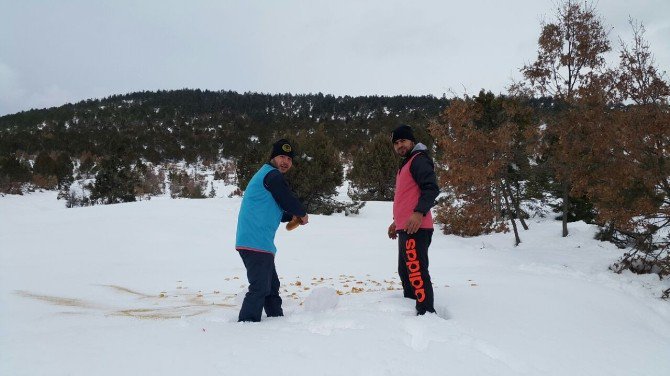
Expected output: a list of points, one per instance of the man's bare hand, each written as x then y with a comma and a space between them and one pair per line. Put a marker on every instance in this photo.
304, 220
391, 232
414, 223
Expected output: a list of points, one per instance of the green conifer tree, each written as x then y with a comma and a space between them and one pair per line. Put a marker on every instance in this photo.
317, 171
114, 182
373, 170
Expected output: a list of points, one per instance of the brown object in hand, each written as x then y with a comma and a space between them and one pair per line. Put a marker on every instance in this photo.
295, 222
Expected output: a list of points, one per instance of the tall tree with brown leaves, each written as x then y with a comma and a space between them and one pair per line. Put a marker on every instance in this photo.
570, 57
482, 143
643, 139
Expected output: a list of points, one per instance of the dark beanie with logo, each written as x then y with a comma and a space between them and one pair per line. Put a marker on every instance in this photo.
403, 132
282, 147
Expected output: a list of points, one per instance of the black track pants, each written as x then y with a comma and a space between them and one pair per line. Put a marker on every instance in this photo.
413, 268
263, 286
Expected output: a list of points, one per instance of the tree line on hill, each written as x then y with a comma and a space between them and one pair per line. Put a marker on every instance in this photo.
195, 124
117, 142
591, 140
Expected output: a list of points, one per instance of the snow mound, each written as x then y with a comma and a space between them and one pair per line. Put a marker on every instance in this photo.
321, 299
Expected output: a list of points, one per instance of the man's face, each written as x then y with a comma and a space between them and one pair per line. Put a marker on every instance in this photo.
402, 147
283, 163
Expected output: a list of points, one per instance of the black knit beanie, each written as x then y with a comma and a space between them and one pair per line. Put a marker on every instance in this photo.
403, 132
282, 147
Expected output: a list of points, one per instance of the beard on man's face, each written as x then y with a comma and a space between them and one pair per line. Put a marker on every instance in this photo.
403, 150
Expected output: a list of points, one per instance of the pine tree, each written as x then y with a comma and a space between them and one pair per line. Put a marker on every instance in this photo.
317, 171
44, 164
373, 170
44, 171
114, 182
63, 170
13, 173
249, 162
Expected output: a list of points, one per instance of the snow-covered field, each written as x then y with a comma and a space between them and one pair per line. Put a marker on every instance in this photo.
154, 287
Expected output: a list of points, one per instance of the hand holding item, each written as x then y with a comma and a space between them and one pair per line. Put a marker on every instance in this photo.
297, 221
293, 223
391, 231
414, 223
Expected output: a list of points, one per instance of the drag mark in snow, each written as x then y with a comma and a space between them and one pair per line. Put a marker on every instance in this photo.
174, 305
57, 300
160, 313
144, 306
127, 290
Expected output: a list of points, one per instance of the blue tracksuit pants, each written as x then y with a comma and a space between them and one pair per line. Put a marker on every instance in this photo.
263, 286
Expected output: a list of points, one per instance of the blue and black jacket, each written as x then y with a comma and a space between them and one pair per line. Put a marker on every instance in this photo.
267, 202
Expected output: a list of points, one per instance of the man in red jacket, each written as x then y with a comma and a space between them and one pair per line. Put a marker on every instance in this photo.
415, 193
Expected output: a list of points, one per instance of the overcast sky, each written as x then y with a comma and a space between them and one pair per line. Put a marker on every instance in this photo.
57, 51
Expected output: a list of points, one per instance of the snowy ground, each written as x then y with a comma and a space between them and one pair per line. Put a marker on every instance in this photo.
154, 287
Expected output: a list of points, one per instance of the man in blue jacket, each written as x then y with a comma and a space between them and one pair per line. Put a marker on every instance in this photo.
267, 202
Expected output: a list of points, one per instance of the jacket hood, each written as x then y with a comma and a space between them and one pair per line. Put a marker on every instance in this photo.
419, 147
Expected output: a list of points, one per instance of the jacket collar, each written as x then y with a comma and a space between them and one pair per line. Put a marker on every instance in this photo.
418, 148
